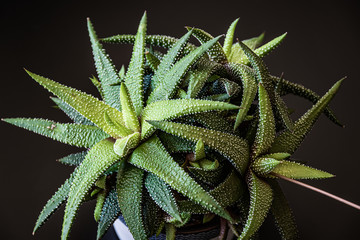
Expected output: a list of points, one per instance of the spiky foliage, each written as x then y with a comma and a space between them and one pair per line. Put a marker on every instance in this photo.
181, 136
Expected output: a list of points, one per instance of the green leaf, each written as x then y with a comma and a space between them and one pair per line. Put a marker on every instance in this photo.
98, 86
100, 157
278, 156
261, 71
71, 112
153, 157
170, 231
214, 121
135, 73
284, 218
170, 109
128, 111
229, 38
105, 69
264, 165
129, 187
153, 40
166, 89
54, 202
123, 145
87, 105
175, 144
226, 193
266, 129
283, 111
73, 159
301, 91
152, 60
109, 213
115, 126
211, 177
260, 202
100, 199
249, 91
68, 133
288, 141
296, 170
161, 193
232, 147
168, 61
215, 52
237, 54
266, 48
199, 150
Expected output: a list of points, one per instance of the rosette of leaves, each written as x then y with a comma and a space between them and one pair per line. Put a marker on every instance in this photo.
184, 136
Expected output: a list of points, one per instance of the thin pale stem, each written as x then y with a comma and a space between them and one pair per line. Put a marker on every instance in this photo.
319, 191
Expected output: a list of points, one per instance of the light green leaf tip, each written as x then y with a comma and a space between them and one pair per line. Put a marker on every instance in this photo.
296, 170
135, 73
229, 38
123, 145
199, 150
87, 105
128, 111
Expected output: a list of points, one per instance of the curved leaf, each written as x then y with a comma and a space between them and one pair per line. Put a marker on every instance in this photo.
128, 111
161, 193
68, 133
87, 105
135, 73
260, 202
170, 109
229, 38
106, 71
153, 157
289, 141
129, 187
73, 159
100, 157
296, 170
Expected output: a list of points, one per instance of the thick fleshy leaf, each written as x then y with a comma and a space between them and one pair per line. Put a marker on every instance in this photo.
54, 202
98, 86
71, 112
100, 199
106, 71
168, 61
296, 170
68, 133
284, 218
161, 193
100, 157
301, 91
214, 121
282, 110
170, 230
216, 52
264, 165
116, 126
211, 177
152, 60
109, 213
199, 150
231, 146
73, 159
229, 38
266, 48
129, 187
260, 202
278, 156
237, 54
166, 89
128, 111
289, 141
226, 193
87, 105
266, 129
261, 71
154, 40
135, 73
170, 109
153, 157
174, 144
249, 91
123, 145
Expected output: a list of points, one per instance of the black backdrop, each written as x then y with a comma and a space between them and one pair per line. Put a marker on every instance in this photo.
51, 39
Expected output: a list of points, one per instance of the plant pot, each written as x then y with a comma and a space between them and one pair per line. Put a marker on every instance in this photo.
200, 232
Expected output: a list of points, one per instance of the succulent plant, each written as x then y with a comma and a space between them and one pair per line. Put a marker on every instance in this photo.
187, 135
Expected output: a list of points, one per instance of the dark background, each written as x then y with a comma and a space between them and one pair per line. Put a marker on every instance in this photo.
50, 38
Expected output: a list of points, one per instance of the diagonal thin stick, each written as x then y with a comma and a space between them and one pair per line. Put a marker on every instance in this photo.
319, 191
